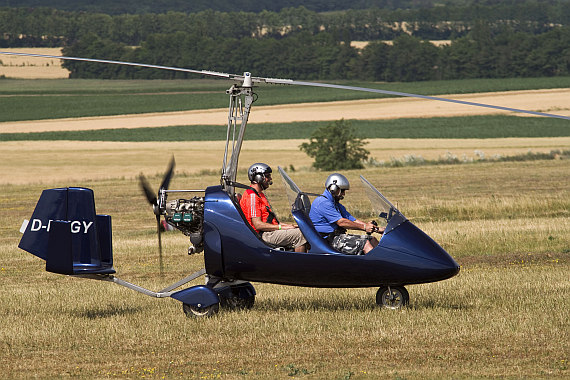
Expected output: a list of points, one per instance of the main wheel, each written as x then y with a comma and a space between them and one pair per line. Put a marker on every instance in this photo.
200, 312
236, 301
394, 298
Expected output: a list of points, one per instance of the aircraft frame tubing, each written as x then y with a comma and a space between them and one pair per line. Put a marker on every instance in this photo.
164, 293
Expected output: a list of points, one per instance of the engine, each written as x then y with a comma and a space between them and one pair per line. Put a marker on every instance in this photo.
187, 215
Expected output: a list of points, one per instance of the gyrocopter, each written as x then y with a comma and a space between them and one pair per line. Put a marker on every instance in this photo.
65, 231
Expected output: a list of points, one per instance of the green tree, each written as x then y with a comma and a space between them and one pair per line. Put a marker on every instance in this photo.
336, 147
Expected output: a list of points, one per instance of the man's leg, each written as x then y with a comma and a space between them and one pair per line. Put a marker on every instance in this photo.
370, 245
301, 248
354, 244
287, 238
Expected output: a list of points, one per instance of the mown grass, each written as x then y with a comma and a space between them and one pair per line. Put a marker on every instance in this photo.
505, 315
441, 127
48, 99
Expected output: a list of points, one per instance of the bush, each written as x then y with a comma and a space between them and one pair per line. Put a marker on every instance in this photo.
335, 147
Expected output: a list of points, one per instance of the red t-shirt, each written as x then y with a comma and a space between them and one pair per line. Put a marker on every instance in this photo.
253, 206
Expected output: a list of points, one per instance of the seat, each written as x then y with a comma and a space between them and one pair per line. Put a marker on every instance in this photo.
300, 210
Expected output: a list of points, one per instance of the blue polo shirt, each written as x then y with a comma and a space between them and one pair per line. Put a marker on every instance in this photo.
325, 212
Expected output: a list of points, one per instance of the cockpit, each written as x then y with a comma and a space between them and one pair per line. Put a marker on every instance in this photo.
301, 205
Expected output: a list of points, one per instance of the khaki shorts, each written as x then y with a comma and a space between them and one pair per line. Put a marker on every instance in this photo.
285, 238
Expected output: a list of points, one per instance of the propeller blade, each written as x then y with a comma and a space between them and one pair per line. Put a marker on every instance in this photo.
289, 82
168, 175
147, 190
158, 231
152, 198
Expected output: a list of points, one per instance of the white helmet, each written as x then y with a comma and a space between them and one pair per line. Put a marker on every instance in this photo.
335, 183
257, 172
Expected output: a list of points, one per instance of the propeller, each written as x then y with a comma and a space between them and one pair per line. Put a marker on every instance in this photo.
247, 79
158, 201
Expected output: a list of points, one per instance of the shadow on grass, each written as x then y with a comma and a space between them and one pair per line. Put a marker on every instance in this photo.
430, 304
316, 304
107, 311
352, 304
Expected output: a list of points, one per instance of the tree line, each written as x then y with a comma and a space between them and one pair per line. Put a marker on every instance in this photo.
113, 7
48, 27
491, 40
481, 54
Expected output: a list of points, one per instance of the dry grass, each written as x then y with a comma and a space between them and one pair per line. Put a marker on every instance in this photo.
468, 327
64, 162
505, 315
31, 67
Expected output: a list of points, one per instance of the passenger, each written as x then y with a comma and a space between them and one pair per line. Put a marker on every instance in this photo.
260, 215
331, 219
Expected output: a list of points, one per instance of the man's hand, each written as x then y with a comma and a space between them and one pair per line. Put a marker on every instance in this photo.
285, 226
370, 227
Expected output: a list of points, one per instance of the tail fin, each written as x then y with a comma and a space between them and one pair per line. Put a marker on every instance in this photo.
65, 231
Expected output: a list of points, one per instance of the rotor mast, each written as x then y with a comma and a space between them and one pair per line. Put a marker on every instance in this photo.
241, 99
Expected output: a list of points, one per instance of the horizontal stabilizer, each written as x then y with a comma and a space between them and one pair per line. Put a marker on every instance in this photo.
66, 232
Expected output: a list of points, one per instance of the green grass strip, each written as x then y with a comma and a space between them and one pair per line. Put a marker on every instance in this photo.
441, 128
51, 99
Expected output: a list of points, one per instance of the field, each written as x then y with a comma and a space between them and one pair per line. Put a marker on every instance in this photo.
505, 315
30, 67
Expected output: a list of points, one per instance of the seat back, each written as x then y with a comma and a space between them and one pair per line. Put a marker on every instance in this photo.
300, 210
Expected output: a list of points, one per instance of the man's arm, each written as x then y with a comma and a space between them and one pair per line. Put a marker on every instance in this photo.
357, 225
259, 225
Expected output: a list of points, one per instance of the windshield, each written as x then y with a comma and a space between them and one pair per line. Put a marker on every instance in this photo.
290, 186
297, 199
380, 205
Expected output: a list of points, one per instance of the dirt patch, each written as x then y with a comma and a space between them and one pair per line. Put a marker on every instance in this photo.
553, 101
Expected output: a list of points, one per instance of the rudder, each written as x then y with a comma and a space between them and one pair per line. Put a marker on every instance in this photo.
66, 232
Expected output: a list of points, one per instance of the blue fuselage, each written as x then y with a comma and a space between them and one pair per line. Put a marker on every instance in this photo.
405, 255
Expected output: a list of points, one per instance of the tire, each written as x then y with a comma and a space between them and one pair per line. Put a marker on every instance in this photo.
398, 298
235, 301
200, 312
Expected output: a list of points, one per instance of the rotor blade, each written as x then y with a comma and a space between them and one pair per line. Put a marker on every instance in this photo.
292, 82
147, 190
159, 245
202, 72
396, 93
168, 175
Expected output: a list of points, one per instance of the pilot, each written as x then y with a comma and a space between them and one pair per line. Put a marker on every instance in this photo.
332, 220
260, 215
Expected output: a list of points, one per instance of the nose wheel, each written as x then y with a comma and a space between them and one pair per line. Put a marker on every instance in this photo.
392, 297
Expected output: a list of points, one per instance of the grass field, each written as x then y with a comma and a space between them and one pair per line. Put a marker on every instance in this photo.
506, 315
469, 127
12, 66
22, 101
